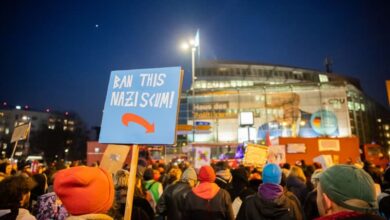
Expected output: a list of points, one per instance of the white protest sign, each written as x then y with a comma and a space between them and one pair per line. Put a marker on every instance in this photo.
326, 161
202, 156
277, 154
20, 132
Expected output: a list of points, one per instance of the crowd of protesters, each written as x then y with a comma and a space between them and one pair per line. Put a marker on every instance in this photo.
178, 191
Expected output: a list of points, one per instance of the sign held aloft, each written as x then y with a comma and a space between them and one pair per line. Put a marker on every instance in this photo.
141, 106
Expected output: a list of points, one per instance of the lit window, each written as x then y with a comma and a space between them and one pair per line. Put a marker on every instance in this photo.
51, 127
387, 135
351, 106
379, 120
357, 106
97, 150
363, 107
65, 127
386, 127
6, 131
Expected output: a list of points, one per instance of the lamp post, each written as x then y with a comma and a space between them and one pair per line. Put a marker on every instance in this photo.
194, 44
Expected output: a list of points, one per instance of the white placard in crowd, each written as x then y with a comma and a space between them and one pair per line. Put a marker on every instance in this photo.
326, 161
20, 132
202, 157
277, 154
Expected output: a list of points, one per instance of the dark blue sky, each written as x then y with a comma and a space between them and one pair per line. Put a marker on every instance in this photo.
53, 55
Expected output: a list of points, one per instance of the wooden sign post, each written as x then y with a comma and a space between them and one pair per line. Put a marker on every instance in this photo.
131, 181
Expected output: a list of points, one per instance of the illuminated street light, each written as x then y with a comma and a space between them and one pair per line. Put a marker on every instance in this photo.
194, 44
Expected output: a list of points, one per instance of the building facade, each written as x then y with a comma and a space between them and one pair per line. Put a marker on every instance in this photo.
284, 101
49, 130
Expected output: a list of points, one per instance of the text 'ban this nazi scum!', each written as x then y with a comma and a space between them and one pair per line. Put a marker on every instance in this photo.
141, 106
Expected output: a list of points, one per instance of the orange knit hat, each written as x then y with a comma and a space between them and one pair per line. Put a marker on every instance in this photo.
84, 190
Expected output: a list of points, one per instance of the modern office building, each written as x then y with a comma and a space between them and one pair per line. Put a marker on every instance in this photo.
284, 101
41, 120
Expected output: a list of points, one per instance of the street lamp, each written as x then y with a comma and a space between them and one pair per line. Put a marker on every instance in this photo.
194, 45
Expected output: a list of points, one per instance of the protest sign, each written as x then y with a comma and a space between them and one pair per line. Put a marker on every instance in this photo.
276, 154
20, 133
113, 158
202, 156
255, 155
141, 106
326, 161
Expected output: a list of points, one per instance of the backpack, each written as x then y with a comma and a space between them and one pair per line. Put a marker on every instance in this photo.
149, 197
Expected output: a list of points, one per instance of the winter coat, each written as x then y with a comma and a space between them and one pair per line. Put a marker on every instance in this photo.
171, 201
21, 214
208, 202
348, 215
298, 187
282, 205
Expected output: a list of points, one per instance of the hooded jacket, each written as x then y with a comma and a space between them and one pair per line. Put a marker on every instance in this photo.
271, 202
205, 202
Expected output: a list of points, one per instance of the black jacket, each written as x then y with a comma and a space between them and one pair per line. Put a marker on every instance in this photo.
217, 208
285, 207
171, 201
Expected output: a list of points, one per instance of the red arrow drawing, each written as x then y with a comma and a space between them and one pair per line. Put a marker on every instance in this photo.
129, 117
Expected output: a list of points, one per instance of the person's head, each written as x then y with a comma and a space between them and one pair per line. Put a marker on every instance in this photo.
206, 174
148, 174
255, 174
15, 191
315, 177
84, 190
189, 176
174, 174
41, 186
121, 178
297, 172
221, 165
5, 167
156, 174
272, 174
345, 187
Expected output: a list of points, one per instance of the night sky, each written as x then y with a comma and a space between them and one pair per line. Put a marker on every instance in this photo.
59, 54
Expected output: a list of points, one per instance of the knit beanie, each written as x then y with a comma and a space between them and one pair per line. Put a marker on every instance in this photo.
346, 182
84, 190
206, 174
272, 174
189, 174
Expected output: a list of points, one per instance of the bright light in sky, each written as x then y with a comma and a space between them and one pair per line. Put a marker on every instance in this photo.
185, 46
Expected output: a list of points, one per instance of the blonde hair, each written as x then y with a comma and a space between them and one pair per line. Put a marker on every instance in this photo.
297, 172
121, 178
